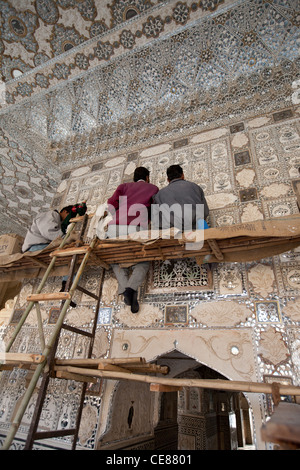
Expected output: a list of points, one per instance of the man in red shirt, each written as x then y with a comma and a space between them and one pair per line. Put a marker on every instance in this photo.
130, 208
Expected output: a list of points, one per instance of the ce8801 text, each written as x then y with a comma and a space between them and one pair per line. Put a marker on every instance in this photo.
169, 459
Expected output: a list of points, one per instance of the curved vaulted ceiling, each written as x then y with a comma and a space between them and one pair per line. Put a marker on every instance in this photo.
79, 75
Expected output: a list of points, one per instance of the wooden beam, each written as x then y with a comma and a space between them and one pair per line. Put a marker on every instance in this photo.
112, 367
164, 388
61, 374
153, 368
75, 250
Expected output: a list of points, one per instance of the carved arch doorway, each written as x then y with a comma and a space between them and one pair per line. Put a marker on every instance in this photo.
201, 419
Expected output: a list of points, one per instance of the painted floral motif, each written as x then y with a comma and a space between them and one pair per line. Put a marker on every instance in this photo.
221, 313
64, 39
41, 80
80, 316
276, 190
153, 27
181, 13
245, 177
251, 212
81, 61
147, 315
61, 71
101, 343
103, 50
127, 39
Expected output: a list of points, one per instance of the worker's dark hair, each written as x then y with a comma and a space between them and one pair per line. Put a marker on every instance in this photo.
174, 171
67, 208
140, 173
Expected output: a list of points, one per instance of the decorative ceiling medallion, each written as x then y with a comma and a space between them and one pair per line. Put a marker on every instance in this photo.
17, 26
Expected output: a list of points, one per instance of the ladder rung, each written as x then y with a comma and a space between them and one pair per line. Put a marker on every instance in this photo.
56, 433
76, 330
51, 296
79, 250
21, 358
81, 289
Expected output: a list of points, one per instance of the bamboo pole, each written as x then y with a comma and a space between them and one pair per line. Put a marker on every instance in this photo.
216, 384
93, 362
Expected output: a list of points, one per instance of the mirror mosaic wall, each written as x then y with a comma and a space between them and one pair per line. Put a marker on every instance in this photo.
212, 85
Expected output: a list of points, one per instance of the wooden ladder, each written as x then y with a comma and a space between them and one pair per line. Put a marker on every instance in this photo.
44, 363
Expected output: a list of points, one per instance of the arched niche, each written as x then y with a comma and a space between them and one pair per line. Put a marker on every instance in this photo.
188, 419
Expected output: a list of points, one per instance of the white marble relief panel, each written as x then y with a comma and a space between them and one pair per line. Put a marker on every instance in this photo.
212, 347
262, 278
251, 211
273, 348
221, 313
